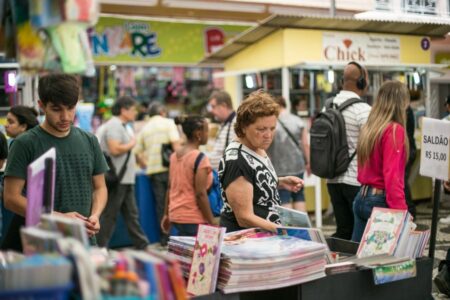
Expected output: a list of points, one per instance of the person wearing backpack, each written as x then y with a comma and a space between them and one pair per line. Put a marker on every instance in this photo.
187, 203
334, 136
383, 151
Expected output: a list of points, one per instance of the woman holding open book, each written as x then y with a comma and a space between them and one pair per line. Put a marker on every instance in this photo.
248, 180
382, 154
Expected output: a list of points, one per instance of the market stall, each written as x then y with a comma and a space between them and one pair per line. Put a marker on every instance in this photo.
302, 58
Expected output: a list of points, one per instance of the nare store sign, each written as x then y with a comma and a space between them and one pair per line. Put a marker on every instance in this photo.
115, 40
373, 48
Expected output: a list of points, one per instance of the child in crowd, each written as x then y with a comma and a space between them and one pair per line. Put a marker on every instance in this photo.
382, 155
187, 202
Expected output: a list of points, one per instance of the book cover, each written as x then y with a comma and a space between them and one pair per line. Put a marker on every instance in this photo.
68, 227
205, 261
394, 272
36, 187
382, 232
292, 217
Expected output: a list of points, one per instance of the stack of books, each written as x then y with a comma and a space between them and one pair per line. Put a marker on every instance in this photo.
392, 232
254, 259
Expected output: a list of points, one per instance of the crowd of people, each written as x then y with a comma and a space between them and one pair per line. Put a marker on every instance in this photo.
261, 154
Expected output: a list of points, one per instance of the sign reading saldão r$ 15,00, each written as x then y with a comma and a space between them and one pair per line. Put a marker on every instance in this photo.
435, 150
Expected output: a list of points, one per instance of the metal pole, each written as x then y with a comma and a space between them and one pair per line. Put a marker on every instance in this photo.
332, 8
434, 219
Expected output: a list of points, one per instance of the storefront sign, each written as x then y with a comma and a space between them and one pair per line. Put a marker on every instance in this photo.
117, 40
435, 150
373, 48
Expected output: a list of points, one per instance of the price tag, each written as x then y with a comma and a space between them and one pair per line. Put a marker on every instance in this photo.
434, 157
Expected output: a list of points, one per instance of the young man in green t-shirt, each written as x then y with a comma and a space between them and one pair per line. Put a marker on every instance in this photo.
80, 190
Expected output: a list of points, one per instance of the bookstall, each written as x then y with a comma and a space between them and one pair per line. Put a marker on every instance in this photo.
302, 57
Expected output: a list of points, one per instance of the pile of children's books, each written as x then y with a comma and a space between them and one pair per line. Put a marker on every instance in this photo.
254, 260
392, 232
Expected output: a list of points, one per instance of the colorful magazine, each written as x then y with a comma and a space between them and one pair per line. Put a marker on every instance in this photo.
382, 232
205, 261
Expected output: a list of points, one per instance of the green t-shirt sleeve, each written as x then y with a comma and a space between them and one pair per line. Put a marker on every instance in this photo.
19, 158
100, 165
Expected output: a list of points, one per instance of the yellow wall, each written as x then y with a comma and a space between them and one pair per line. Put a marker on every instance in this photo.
264, 54
302, 45
411, 52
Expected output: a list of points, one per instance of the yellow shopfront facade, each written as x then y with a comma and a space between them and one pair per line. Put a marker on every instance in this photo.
302, 59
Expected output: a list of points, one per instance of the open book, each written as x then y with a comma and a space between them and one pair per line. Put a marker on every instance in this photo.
292, 217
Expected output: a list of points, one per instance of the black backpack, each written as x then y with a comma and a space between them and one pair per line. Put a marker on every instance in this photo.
329, 147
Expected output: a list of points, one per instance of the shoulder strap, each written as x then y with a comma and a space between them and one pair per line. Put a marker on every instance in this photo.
124, 167
289, 133
197, 161
348, 103
227, 141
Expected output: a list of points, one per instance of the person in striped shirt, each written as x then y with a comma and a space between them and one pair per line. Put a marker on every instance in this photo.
343, 188
221, 107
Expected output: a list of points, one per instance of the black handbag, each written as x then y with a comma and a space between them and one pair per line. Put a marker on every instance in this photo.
113, 179
166, 151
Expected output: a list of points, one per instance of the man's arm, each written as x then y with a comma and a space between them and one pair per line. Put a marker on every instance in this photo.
12, 195
99, 197
116, 148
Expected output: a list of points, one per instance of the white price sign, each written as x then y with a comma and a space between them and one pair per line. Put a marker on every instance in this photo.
434, 157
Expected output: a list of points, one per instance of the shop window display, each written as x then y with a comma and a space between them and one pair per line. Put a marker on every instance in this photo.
182, 89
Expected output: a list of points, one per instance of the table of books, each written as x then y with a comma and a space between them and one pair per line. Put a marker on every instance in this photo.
354, 285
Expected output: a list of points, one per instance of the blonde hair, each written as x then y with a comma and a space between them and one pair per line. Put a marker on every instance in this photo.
390, 106
257, 104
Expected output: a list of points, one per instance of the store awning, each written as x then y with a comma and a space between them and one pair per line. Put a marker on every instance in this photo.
420, 27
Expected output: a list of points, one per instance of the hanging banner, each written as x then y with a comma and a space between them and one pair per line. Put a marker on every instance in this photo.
435, 149
360, 47
117, 40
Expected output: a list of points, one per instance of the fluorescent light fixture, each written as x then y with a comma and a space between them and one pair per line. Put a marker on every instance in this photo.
249, 82
330, 75
210, 5
416, 77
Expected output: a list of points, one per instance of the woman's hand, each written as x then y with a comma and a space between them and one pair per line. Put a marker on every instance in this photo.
291, 183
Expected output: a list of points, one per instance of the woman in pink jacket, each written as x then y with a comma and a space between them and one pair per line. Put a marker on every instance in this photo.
382, 154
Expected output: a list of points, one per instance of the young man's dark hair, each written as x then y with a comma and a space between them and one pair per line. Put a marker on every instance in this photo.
122, 102
59, 89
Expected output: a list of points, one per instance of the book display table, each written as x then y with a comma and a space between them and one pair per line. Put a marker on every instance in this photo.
354, 285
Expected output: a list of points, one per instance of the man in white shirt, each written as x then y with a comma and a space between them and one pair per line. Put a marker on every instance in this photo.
343, 188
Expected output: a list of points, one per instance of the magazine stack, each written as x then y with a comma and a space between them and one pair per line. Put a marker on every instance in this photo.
253, 260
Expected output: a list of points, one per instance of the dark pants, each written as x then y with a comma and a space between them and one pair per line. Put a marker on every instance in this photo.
121, 199
342, 196
160, 182
408, 196
186, 229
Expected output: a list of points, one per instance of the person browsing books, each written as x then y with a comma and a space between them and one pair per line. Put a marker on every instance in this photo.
248, 180
80, 190
187, 203
382, 155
